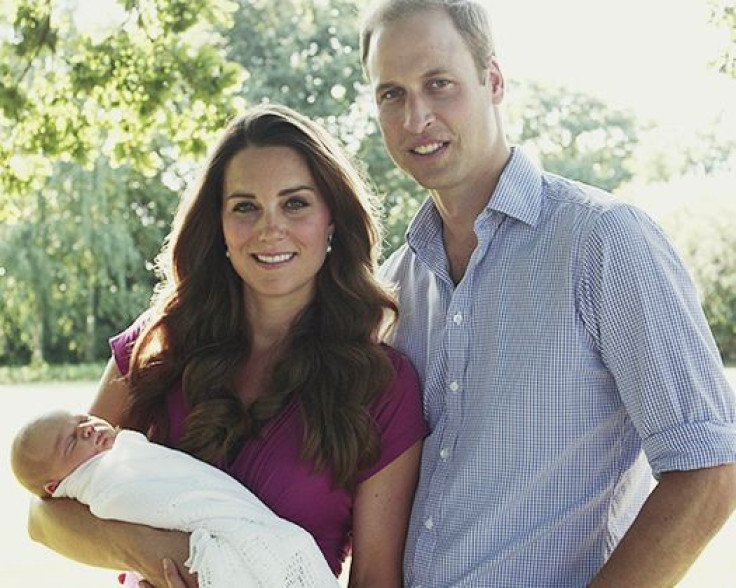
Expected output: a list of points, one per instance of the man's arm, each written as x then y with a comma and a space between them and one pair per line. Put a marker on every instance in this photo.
680, 517
68, 527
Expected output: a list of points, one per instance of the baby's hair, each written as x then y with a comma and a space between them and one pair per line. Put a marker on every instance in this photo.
27, 467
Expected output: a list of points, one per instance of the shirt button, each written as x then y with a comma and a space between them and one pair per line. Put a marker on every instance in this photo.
454, 386
429, 523
458, 318
444, 453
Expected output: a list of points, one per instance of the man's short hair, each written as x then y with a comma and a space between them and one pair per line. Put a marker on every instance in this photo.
469, 17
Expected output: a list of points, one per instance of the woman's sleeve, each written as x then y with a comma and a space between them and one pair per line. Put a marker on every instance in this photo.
398, 415
122, 344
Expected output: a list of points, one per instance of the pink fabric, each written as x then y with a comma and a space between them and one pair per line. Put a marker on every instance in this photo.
129, 579
270, 466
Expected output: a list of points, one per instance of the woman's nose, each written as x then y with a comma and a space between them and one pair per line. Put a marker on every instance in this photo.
272, 227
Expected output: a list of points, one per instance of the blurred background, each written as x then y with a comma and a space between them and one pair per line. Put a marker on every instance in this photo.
108, 107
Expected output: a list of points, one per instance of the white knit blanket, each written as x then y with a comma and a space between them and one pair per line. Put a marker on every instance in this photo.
235, 539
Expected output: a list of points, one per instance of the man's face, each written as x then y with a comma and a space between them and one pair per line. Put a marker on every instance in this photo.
436, 111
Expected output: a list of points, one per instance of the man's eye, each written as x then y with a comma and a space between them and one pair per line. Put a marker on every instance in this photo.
440, 83
389, 95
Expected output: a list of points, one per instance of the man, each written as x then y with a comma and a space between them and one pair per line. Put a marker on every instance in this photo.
563, 350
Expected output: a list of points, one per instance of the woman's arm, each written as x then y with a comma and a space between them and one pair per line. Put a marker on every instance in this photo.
113, 395
380, 521
69, 528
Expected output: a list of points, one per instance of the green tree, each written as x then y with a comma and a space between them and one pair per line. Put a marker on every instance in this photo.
575, 135
79, 110
78, 269
723, 14
666, 154
300, 53
158, 79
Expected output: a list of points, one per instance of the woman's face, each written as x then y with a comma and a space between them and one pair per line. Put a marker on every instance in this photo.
276, 224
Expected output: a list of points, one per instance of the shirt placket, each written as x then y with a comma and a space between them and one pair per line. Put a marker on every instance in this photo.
457, 346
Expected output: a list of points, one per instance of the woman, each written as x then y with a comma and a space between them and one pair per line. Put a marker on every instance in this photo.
260, 355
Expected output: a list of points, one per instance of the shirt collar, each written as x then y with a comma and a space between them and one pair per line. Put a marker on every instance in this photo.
425, 226
518, 195
519, 190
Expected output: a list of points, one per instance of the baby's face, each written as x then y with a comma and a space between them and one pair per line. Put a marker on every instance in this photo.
73, 439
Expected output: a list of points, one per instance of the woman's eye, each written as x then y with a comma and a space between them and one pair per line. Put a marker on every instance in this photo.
296, 203
244, 206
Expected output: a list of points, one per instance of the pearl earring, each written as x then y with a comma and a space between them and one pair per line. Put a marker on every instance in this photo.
227, 253
329, 243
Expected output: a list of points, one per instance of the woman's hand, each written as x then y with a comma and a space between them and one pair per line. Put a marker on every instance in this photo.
69, 528
172, 576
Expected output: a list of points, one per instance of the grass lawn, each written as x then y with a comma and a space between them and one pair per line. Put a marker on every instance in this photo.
51, 373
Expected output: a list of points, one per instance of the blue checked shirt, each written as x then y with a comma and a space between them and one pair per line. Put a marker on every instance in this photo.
571, 361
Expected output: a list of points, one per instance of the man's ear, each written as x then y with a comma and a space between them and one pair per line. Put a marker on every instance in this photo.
50, 487
496, 81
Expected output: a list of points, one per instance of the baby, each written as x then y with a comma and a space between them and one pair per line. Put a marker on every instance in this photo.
49, 448
235, 539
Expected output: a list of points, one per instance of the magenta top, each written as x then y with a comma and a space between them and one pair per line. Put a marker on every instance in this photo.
271, 468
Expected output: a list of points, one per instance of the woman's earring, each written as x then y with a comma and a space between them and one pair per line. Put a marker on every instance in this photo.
329, 243
227, 253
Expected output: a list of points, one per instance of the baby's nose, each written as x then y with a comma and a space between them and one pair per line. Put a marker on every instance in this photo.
85, 429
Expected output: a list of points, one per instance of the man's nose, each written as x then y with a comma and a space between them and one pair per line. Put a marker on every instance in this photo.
418, 114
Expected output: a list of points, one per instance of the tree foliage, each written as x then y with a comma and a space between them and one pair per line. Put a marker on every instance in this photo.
157, 79
574, 134
299, 53
87, 120
101, 127
666, 154
723, 14
76, 270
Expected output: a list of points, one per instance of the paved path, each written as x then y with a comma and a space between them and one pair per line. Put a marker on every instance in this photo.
24, 564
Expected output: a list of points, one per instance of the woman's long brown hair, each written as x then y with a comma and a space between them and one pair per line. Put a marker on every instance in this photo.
198, 333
